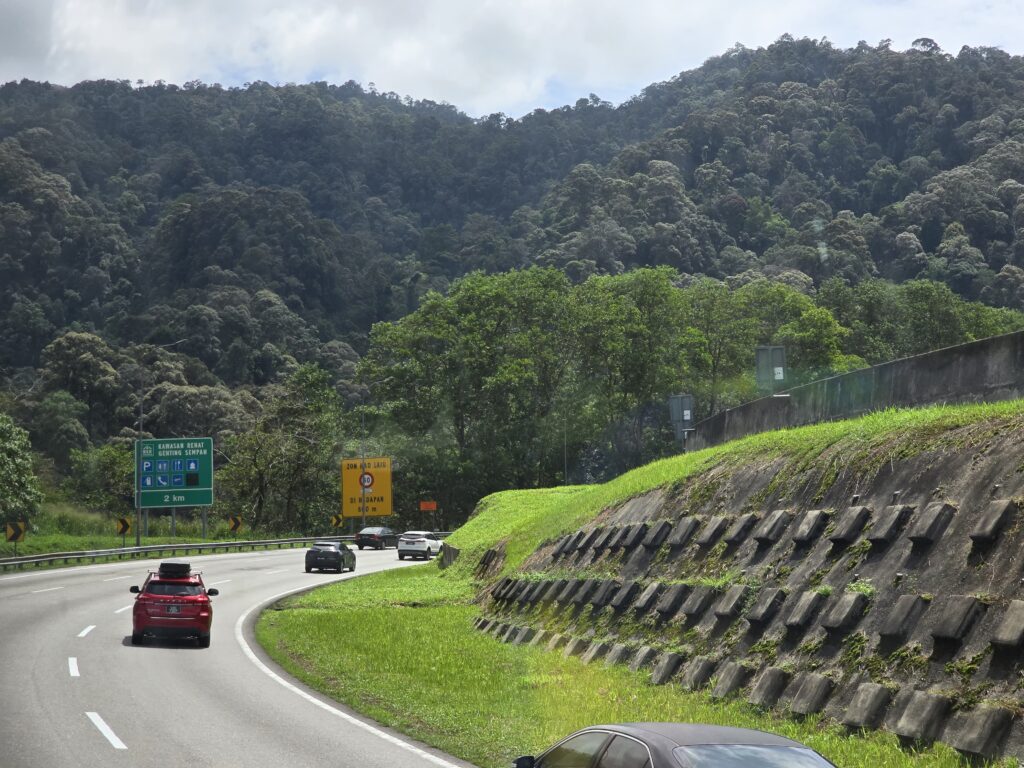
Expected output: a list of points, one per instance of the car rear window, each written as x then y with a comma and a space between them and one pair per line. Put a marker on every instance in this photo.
173, 589
325, 545
372, 531
748, 756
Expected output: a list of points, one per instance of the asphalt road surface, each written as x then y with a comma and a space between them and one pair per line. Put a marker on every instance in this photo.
75, 692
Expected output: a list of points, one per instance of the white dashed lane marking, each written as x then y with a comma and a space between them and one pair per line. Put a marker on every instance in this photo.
87, 630
105, 729
49, 589
73, 666
118, 578
122, 610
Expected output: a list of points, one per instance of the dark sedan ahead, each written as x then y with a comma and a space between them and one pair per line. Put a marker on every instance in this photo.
330, 555
674, 745
378, 538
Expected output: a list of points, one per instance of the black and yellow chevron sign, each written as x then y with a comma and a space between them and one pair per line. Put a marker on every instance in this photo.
16, 531
124, 526
235, 523
337, 521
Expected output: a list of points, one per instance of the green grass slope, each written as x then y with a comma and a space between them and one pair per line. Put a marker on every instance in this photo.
400, 646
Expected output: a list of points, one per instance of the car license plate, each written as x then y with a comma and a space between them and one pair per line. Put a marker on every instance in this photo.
174, 609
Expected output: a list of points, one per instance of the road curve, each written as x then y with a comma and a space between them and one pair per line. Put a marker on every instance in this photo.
74, 691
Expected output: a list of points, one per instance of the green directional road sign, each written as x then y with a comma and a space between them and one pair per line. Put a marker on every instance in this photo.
177, 472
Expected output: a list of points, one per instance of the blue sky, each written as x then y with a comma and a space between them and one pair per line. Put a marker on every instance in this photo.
482, 56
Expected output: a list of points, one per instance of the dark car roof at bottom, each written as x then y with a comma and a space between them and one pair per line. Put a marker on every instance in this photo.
692, 734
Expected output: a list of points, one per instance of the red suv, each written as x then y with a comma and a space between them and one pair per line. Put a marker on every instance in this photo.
173, 602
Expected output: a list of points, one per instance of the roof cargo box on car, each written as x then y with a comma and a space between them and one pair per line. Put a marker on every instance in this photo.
175, 570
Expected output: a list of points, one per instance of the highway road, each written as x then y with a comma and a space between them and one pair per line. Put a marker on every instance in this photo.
75, 692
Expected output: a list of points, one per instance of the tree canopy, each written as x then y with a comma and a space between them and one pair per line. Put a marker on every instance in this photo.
177, 259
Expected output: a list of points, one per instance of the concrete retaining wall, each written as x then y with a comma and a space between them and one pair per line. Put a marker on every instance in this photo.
894, 599
982, 371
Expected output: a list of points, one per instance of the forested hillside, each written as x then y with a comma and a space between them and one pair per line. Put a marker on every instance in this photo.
223, 254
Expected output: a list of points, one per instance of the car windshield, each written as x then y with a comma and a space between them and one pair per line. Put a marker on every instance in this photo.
173, 588
748, 756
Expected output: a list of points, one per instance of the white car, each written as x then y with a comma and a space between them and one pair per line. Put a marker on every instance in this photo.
418, 544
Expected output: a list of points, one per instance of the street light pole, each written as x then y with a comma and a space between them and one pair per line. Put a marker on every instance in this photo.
138, 442
362, 447
138, 458
362, 463
565, 454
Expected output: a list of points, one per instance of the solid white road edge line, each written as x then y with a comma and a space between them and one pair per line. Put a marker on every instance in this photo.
122, 610
48, 589
324, 705
73, 666
87, 630
103, 728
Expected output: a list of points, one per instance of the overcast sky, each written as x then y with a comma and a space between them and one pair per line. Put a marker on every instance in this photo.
482, 56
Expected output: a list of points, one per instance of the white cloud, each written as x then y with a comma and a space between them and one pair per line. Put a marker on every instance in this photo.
480, 55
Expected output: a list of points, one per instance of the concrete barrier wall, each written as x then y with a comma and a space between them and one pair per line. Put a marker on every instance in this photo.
877, 598
981, 371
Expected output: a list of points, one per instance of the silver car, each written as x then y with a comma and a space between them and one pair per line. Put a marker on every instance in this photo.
418, 544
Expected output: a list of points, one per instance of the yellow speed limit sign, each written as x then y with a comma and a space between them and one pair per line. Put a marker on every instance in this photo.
366, 487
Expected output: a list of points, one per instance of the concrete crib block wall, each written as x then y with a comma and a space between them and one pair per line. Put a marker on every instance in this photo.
786, 629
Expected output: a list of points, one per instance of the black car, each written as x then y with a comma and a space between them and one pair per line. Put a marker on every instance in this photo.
378, 538
330, 555
674, 745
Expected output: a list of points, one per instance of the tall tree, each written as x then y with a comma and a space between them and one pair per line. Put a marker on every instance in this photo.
282, 475
19, 489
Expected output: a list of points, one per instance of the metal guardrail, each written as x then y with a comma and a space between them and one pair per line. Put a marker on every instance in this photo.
172, 550
159, 549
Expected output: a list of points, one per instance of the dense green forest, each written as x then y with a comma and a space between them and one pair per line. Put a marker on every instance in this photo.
306, 271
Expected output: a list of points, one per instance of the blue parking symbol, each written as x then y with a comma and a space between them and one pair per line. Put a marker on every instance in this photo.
178, 465
177, 480
162, 481
147, 481
147, 466
192, 465
163, 466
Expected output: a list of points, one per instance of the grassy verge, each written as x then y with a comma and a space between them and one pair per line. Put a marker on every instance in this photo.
400, 647
524, 519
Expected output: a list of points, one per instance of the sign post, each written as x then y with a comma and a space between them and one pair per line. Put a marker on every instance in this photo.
366, 487
680, 410
172, 473
770, 364
124, 525
427, 505
16, 533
